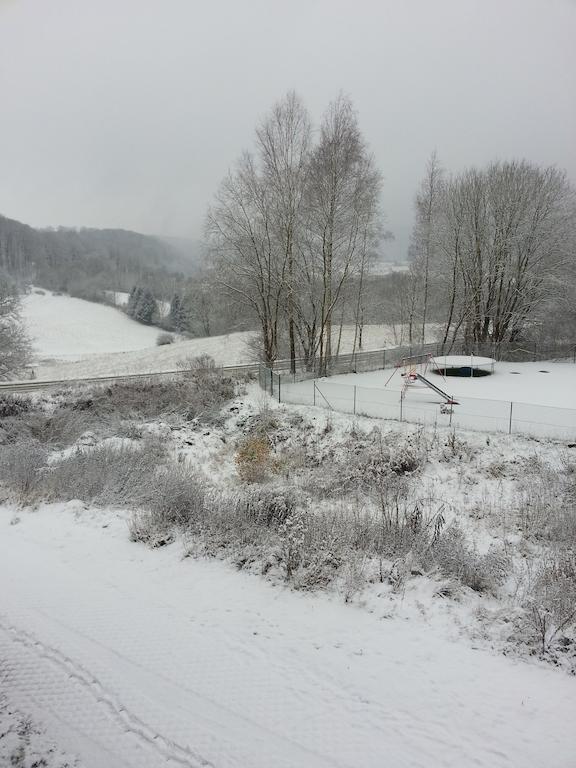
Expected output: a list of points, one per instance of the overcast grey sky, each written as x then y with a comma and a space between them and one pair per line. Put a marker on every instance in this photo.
127, 113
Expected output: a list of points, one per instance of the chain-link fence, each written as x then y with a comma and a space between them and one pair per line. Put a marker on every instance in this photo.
485, 415
362, 362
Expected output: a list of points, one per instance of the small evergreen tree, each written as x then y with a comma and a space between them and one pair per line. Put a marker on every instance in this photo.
145, 309
178, 316
184, 316
174, 313
133, 300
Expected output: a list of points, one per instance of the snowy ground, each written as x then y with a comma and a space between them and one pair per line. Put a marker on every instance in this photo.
543, 396
231, 349
132, 657
545, 383
63, 327
26, 745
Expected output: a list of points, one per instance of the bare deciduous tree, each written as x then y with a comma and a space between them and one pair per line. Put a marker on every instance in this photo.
425, 242
294, 226
240, 228
14, 343
343, 202
283, 141
501, 237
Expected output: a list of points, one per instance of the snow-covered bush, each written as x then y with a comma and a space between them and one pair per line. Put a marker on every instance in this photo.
376, 461
178, 497
268, 506
406, 457
12, 405
197, 364
21, 469
188, 397
454, 447
59, 428
292, 534
401, 527
163, 339
455, 557
546, 504
110, 473
551, 603
253, 458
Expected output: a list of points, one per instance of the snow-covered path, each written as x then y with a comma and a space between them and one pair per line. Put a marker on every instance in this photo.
138, 659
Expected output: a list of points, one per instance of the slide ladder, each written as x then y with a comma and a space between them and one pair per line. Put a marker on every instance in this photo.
448, 398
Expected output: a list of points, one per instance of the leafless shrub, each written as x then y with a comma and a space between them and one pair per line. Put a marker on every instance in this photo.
60, 428
546, 507
253, 459
455, 448
264, 423
375, 461
129, 430
178, 498
354, 575
195, 364
21, 469
456, 558
106, 474
13, 405
551, 602
268, 506
143, 399
53, 427
144, 527
401, 528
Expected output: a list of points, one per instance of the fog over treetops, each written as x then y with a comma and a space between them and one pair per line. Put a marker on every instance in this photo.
123, 114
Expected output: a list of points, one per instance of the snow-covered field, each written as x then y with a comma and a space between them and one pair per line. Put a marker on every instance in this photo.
137, 658
62, 327
231, 349
74, 338
543, 395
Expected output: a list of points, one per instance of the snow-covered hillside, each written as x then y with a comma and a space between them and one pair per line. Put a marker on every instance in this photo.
232, 349
62, 327
74, 338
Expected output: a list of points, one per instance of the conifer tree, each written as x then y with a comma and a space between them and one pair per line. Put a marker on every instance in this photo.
145, 308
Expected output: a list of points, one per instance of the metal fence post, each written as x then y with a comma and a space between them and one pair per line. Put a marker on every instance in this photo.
279, 381
314, 391
354, 399
271, 382
401, 398
510, 422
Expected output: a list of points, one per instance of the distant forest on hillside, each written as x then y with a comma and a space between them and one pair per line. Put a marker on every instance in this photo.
86, 262
92, 263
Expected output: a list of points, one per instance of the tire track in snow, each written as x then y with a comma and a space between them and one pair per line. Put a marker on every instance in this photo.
123, 718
